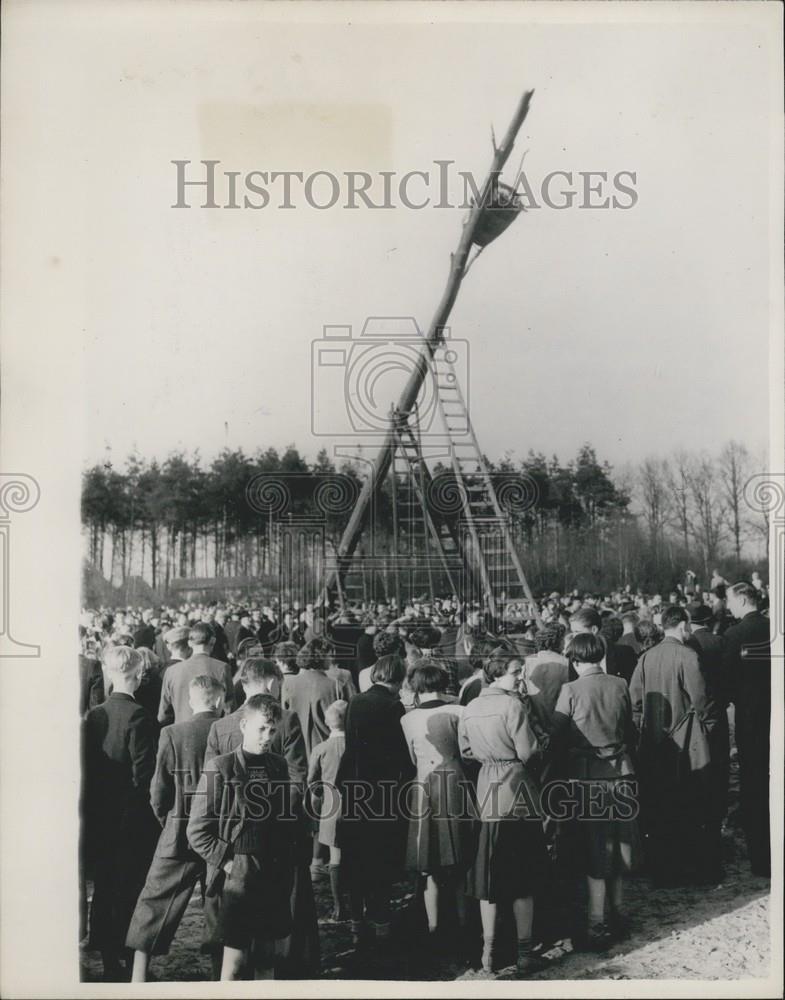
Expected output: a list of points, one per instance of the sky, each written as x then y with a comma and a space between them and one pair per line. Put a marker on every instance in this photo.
638, 330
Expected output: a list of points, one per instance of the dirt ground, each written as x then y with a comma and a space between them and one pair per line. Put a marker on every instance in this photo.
712, 932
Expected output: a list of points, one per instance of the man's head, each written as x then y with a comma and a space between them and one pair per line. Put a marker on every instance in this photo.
205, 694
259, 676
176, 640
123, 666
585, 619
200, 637
742, 598
259, 723
629, 620
147, 615
675, 622
700, 615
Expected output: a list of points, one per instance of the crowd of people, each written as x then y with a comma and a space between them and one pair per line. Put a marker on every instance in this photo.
247, 752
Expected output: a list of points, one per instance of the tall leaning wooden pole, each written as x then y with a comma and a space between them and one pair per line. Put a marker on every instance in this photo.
458, 261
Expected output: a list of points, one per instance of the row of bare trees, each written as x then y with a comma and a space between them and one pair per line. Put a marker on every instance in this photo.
699, 499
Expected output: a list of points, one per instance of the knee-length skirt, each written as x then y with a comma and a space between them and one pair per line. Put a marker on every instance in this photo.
511, 860
442, 822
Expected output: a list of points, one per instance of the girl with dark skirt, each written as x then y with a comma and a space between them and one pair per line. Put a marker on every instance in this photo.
511, 859
440, 819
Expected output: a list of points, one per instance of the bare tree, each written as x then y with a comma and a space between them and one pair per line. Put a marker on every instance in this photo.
709, 508
654, 497
734, 472
678, 480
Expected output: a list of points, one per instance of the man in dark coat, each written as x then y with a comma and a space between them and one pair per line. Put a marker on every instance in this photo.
674, 715
175, 704
371, 831
175, 868
748, 669
118, 747
710, 649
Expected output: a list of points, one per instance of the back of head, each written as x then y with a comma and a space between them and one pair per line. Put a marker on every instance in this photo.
428, 678
745, 592
498, 661
389, 669
424, 637
648, 634
584, 620
286, 653
587, 648
612, 629
388, 644
336, 714
200, 634
121, 661
550, 638
315, 655
205, 690
256, 670
672, 616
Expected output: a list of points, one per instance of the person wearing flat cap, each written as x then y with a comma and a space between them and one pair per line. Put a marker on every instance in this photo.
175, 703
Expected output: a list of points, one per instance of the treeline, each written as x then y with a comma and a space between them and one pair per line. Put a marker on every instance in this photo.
578, 523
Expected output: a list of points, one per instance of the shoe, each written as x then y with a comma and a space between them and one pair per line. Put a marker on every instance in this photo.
598, 938
338, 916
619, 926
529, 962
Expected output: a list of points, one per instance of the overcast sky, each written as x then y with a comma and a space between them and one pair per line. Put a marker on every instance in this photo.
637, 330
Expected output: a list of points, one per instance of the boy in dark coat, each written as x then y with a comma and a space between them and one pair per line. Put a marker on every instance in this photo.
175, 868
118, 746
242, 824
